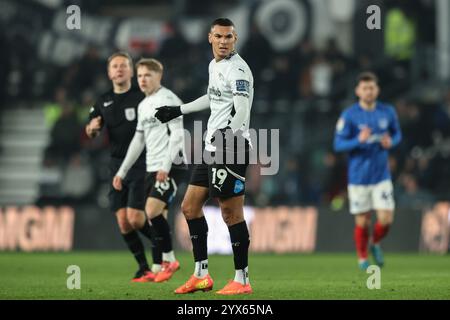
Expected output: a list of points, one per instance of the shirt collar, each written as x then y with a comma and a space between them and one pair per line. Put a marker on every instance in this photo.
232, 53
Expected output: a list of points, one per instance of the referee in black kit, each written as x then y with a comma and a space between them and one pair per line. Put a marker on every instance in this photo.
117, 111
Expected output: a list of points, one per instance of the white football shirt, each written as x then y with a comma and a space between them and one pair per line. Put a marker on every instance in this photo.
164, 142
227, 77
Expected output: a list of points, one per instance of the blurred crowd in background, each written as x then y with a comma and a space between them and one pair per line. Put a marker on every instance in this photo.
300, 91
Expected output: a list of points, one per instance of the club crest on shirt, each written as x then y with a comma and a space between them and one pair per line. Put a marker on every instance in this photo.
130, 114
340, 124
383, 123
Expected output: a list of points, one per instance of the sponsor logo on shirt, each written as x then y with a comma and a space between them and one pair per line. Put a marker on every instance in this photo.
214, 91
149, 121
108, 103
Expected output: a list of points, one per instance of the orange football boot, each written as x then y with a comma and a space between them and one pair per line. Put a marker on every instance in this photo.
234, 287
148, 276
196, 284
167, 271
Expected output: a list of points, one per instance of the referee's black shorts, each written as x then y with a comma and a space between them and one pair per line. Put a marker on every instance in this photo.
132, 194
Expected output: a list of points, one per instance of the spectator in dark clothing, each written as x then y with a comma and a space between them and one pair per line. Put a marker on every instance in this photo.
261, 61
5, 66
65, 136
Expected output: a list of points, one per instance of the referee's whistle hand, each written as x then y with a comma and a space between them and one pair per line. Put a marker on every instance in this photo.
117, 183
96, 123
94, 126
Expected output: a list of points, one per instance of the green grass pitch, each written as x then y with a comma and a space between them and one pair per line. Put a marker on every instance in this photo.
106, 275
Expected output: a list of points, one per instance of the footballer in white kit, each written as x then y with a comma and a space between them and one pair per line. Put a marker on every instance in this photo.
230, 79
165, 158
227, 142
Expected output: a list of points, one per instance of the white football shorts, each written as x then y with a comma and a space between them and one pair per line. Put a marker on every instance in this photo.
364, 198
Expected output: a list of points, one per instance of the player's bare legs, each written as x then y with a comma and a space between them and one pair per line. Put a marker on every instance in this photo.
192, 208
233, 215
155, 209
380, 230
194, 199
385, 217
122, 221
361, 237
232, 210
135, 218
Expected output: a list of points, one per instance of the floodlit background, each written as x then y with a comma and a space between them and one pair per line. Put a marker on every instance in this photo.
304, 55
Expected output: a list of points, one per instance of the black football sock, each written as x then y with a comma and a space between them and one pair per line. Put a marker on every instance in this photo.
198, 230
136, 247
148, 231
240, 242
163, 235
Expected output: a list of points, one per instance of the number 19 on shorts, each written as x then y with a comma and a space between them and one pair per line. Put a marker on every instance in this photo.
218, 174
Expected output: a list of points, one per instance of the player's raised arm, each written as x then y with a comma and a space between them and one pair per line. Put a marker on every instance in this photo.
167, 113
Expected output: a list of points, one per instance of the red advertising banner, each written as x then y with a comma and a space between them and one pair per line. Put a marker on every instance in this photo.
34, 229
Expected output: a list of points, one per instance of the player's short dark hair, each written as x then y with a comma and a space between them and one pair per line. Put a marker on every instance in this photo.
224, 22
120, 54
367, 76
